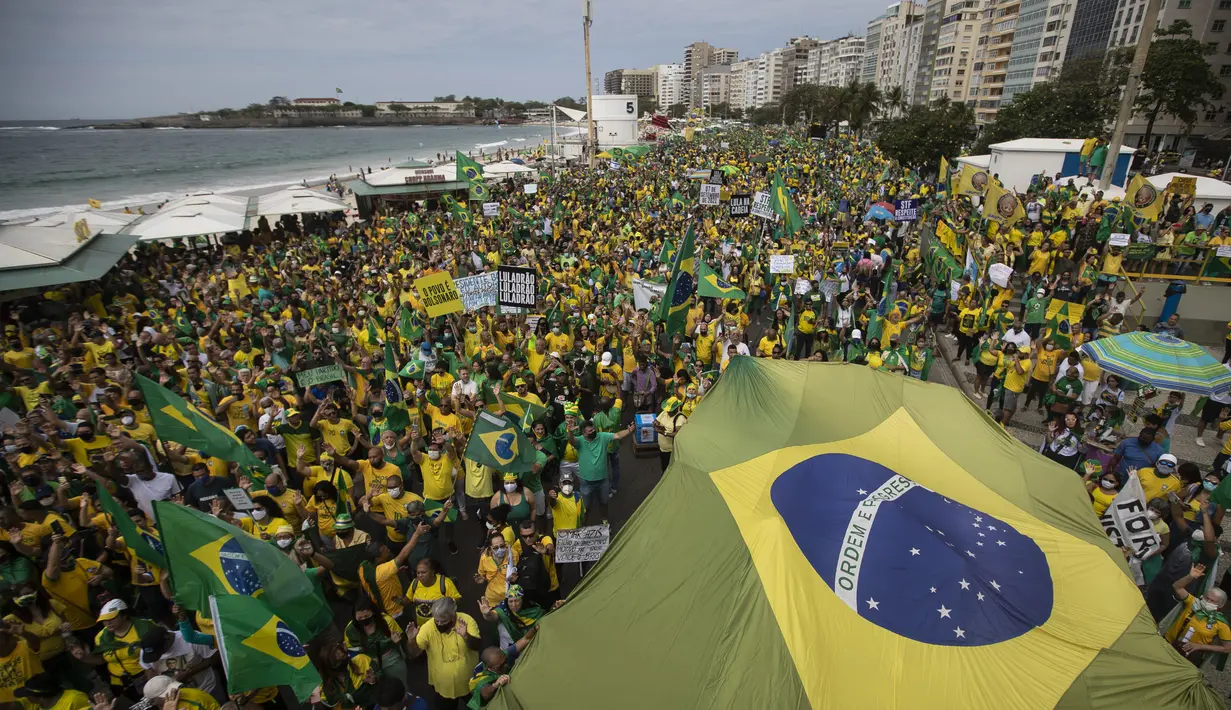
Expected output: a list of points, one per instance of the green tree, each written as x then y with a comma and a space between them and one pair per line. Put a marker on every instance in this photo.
1177, 81
767, 114
895, 101
804, 101
1080, 102
647, 104
569, 102
367, 111
922, 134
448, 99
677, 110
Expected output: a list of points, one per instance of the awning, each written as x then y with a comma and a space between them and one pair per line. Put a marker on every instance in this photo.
95, 258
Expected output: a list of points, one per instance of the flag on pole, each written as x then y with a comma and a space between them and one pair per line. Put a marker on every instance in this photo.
666, 252
681, 288
396, 413
1144, 198
208, 557
1002, 206
259, 649
176, 419
498, 443
336, 90
783, 206
468, 169
142, 544
710, 285
479, 192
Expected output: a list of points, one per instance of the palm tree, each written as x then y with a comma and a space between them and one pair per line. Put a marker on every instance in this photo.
865, 101
895, 101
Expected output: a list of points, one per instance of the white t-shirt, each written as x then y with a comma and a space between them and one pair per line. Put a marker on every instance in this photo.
1020, 339
180, 655
468, 389
161, 487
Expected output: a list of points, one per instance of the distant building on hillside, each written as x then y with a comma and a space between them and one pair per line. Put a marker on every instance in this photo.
316, 102
418, 109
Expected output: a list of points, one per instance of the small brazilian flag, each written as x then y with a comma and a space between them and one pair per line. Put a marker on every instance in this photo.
498, 443
666, 252
479, 192
710, 285
208, 557
144, 545
677, 202
468, 169
1061, 318
673, 308
396, 413
259, 649
448, 200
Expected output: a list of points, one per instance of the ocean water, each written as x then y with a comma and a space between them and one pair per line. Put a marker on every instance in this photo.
48, 166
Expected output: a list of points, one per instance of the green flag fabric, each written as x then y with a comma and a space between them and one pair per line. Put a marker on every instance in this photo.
396, 412
666, 252
467, 169
522, 407
783, 206
259, 649
143, 545
176, 419
479, 192
681, 289
496, 442
711, 285
208, 557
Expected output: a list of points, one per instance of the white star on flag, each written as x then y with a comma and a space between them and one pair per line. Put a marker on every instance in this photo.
944, 613
995, 586
979, 596
979, 544
1000, 543
861, 491
914, 551
873, 604
991, 527
933, 590
960, 633
969, 553
978, 518
965, 584
981, 535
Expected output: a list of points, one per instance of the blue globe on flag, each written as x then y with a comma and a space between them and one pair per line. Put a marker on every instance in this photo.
911, 560
288, 642
506, 446
240, 573
684, 286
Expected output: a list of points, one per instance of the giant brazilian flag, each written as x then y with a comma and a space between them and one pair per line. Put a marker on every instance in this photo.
900, 551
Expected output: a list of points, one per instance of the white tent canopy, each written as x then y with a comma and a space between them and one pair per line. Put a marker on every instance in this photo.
109, 221
26, 245
572, 113
399, 176
194, 215
298, 200
1209, 190
505, 168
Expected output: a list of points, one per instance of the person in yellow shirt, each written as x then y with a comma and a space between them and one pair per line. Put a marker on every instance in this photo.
765, 348
68, 579
1047, 359
239, 408
19, 662
44, 691
341, 435
389, 505
1160, 480
429, 584
451, 642
1200, 629
568, 508
441, 475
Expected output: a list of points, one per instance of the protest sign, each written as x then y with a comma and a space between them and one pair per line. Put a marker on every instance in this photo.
1223, 251
319, 375
802, 286
518, 287
1182, 186
582, 544
1126, 523
1118, 239
530, 188
829, 288
781, 263
439, 294
491, 209
646, 293
478, 291
739, 205
710, 194
906, 210
761, 206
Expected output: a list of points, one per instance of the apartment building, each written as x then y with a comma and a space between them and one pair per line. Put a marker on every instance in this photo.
669, 84
1091, 28
1039, 43
839, 61
872, 50
901, 38
952, 73
742, 74
697, 56
715, 87
992, 52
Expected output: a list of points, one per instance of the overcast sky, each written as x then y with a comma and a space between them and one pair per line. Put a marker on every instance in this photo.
129, 58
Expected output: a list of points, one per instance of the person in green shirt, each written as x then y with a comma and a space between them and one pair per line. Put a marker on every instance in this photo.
592, 466
607, 419
1036, 312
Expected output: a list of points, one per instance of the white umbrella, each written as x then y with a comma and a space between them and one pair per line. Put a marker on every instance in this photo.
298, 200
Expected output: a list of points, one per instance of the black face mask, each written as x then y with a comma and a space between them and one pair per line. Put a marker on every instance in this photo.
31, 479
445, 628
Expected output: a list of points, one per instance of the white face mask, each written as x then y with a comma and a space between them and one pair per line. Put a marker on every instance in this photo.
259, 514
566, 490
1151, 515
1107, 484
284, 542
395, 492
46, 501
1205, 605
433, 454
126, 421
491, 527
510, 487
389, 447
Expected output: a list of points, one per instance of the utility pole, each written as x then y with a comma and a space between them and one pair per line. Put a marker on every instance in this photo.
1148, 22
587, 19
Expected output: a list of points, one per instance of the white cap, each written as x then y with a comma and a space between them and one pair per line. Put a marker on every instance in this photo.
158, 686
606, 358
856, 334
1168, 461
111, 609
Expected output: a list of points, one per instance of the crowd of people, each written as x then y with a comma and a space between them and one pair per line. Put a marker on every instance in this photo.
229, 327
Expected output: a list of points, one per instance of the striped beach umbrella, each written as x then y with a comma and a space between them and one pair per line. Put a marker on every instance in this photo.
1162, 361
